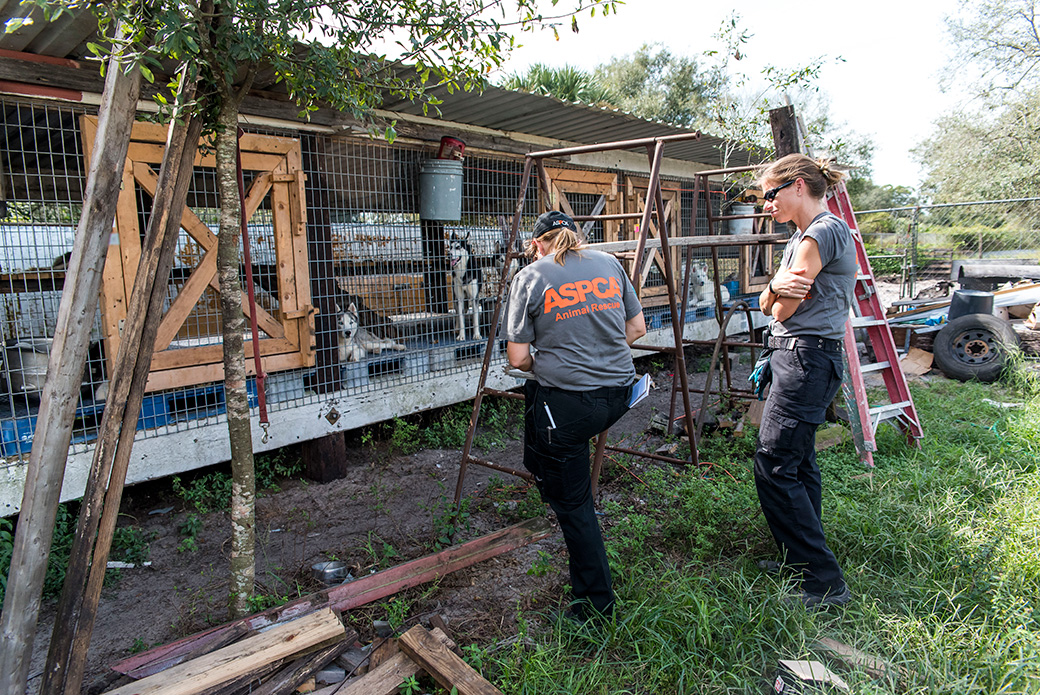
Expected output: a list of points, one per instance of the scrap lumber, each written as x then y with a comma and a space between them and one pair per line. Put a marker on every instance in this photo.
236, 660
210, 643
296, 673
385, 679
359, 592
443, 665
852, 658
383, 652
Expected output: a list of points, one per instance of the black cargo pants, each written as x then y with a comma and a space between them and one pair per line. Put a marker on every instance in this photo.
805, 381
557, 427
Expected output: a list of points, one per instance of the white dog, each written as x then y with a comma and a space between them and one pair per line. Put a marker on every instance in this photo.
356, 342
702, 289
466, 278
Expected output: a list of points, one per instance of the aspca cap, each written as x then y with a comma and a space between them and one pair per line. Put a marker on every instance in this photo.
551, 220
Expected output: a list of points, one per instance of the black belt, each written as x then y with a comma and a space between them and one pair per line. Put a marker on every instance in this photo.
791, 342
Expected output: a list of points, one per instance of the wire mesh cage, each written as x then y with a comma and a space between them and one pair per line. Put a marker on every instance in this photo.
354, 292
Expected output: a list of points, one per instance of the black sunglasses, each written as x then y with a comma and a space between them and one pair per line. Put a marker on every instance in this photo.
771, 193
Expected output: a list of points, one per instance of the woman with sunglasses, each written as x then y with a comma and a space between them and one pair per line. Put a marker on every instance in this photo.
808, 300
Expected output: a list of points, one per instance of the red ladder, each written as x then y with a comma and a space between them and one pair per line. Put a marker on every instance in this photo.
870, 315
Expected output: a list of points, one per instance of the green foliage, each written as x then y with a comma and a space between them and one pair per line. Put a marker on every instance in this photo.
404, 436
6, 547
658, 85
978, 237
939, 546
380, 553
61, 546
566, 83
190, 528
261, 602
396, 611
410, 686
501, 421
276, 465
138, 646
131, 544
987, 155
542, 565
448, 521
447, 430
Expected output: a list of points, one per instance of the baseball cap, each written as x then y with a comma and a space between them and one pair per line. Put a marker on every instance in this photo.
553, 219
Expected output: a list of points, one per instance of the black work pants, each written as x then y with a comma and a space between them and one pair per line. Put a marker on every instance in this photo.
805, 381
557, 427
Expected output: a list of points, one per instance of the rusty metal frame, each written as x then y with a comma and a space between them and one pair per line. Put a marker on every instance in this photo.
655, 205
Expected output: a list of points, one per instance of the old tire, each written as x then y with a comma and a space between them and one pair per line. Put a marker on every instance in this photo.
974, 346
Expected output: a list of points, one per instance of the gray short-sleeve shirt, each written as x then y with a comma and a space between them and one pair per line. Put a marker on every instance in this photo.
574, 315
826, 308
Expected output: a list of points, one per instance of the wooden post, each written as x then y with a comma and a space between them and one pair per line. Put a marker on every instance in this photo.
785, 131
99, 512
325, 458
46, 468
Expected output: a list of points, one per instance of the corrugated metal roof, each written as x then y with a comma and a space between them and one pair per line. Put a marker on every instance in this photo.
66, 37
506, 110
494, 108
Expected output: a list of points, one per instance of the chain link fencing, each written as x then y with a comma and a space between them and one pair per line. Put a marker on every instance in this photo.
978, 245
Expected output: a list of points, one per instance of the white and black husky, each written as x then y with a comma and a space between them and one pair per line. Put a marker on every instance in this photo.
355, 342
466, 278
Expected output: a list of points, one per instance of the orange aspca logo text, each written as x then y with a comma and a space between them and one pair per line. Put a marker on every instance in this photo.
574, 292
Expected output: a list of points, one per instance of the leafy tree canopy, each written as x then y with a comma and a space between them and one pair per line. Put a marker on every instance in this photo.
998, 46
567, 83
344, 53
985, 156
656, 84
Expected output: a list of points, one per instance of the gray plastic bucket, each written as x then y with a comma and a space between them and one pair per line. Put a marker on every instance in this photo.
966, 302
440, 190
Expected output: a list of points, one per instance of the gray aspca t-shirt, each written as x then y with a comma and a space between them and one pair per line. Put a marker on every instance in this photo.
826, 308
575, 316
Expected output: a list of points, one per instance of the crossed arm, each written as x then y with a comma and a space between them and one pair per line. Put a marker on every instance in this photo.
791, 285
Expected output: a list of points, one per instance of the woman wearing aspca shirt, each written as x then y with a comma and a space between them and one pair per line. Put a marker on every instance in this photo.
578, 309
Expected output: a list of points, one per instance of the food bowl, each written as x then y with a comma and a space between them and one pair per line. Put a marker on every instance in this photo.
329, 571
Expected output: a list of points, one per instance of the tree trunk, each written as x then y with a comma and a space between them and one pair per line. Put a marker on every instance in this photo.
243, 485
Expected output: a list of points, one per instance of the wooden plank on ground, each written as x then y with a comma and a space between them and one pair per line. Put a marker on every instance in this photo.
384, 679
445, 666
296, 673
361, 591
235, 660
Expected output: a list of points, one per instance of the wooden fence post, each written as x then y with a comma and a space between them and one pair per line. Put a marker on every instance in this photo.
77, 610
46, 468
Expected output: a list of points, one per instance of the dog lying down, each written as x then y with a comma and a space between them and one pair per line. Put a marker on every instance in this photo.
356, 342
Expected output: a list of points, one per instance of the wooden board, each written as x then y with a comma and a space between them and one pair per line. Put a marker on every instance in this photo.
387, 676
443, 665
358, 592
228, 663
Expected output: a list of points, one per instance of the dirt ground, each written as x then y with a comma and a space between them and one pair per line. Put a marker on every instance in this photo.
387, 501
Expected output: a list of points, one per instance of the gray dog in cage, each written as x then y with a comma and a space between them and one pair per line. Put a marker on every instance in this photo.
466, 278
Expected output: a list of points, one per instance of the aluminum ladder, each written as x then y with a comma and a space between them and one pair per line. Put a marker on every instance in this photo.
868, 314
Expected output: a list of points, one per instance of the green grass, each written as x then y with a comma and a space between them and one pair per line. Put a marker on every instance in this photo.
941, 547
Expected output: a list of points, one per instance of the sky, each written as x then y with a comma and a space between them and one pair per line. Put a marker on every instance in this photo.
886, 86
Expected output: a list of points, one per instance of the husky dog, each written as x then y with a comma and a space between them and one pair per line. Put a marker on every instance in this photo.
702, 290
356, 342
466, 279
501, 249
